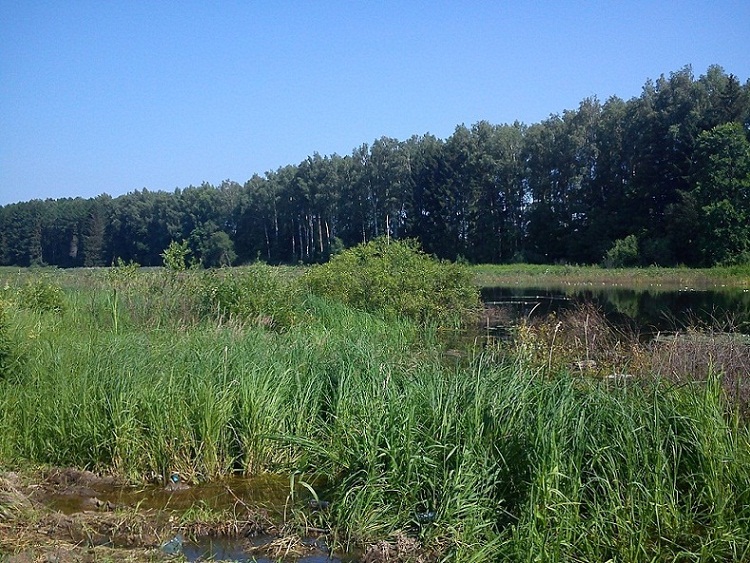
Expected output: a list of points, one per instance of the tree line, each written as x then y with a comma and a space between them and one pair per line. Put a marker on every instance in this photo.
662, 178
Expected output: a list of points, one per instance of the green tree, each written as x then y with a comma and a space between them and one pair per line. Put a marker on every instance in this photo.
218, 250
722, 190
94, 231
23, 226
435, 213
624, 253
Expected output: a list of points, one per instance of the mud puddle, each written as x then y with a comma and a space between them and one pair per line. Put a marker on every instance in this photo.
71, 515
69, 492
307, 550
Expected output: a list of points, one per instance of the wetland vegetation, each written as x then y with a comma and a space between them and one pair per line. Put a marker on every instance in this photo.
367, 387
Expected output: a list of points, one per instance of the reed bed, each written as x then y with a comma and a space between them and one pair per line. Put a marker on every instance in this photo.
490, 456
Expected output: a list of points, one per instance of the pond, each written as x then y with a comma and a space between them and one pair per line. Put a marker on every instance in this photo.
646, 310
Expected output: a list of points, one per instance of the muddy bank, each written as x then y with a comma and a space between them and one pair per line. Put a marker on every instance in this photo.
74, 515
66, 515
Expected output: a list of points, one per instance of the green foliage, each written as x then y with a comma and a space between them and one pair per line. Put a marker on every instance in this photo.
623, 254
258, 293
123, 274
395, 278
213, 249
726, 230
176, 255
42, 295
219, 250
723, 194
8, 345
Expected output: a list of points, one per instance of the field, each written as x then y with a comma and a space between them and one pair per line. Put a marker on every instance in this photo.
568, 442
653, 277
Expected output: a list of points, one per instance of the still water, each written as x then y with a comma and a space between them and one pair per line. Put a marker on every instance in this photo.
263, 492
645, 310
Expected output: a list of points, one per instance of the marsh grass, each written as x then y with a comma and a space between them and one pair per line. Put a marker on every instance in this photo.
576, 469
698, 354
582, 342
506, 455
493, 275
579, 340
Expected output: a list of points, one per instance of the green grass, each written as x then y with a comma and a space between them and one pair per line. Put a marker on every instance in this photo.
489, 275
486, 458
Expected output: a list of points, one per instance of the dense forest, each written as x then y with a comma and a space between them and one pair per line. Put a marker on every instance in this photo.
663, 178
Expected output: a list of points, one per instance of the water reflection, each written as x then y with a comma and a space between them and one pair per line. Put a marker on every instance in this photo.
646, 310
263, 491
231, 549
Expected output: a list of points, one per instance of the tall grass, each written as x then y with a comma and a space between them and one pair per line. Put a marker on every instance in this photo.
494, 457
569, 469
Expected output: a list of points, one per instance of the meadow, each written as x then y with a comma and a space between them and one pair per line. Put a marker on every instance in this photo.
489, 275
341, 378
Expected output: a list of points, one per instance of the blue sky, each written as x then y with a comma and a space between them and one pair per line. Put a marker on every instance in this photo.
109, 97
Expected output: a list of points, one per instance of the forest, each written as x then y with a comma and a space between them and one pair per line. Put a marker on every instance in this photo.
662, 178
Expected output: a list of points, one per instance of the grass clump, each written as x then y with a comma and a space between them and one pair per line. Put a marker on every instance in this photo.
497, 463
258, 294
395, 278
7, 346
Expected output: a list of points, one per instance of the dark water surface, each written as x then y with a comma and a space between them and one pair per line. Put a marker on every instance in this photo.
226, 549
646, 310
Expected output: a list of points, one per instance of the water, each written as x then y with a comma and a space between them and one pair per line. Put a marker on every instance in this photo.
263, 491
86, 493
228, 549
646, 310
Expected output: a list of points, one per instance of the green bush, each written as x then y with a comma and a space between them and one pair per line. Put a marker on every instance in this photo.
41, 295
623, 254
395, 278
176, 256
257, 293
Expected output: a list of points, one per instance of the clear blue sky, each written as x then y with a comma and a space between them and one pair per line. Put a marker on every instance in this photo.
113, 96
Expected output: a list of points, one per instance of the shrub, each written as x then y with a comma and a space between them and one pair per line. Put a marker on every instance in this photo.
41, 295
176, 256
395, 278
624, 253
257, 293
